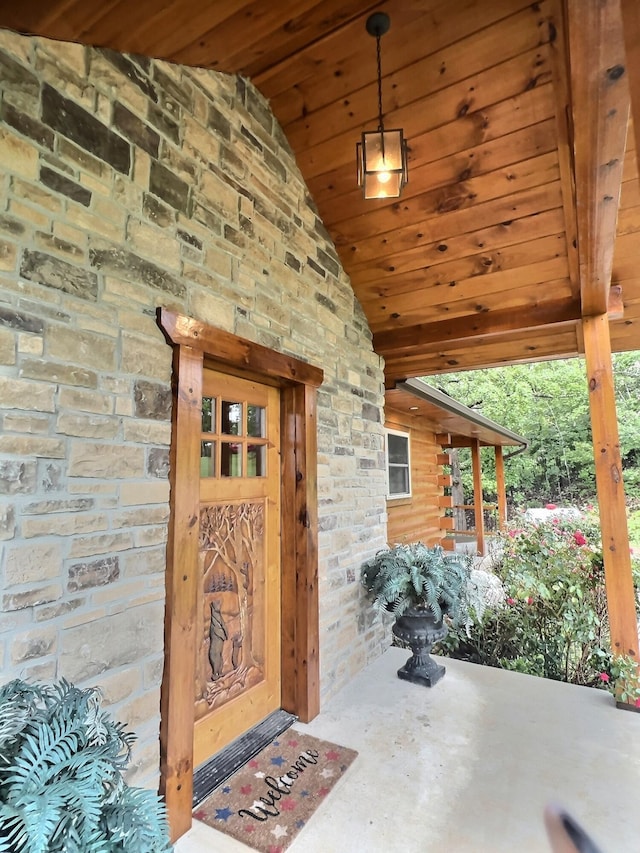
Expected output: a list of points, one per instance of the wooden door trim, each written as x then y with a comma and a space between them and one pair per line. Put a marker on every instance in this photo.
192, 342
238, 352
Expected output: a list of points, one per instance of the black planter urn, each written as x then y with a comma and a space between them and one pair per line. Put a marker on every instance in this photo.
419, 630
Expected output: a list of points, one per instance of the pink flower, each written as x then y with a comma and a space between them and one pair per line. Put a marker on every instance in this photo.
604, 677
551, 506
637, 702
579, 538
511, 601
529, 600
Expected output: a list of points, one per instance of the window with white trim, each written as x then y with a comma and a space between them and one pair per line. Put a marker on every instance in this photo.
398, 464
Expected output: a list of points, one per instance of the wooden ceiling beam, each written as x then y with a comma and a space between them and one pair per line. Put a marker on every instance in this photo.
430, 337
599, 110
524, 349
631, 25
451, 332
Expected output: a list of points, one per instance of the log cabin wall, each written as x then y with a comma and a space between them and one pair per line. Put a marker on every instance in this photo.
418, 518
129, 184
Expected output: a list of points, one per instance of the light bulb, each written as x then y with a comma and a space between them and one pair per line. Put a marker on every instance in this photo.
383, 177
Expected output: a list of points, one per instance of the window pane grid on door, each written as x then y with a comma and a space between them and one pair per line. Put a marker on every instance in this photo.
243, 456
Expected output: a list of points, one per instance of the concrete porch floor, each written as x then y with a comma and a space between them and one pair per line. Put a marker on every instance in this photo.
467, 766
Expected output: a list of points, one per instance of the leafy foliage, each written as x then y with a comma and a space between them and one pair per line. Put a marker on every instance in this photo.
553, 621
623, 679
61, 783
548, 403
414, 575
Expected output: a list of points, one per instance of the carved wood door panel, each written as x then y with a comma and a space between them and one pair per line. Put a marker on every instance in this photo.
238, 633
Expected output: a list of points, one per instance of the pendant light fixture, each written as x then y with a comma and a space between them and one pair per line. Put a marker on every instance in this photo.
382, 154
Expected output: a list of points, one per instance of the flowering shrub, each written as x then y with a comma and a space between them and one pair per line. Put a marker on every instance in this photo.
623, 679
553, 622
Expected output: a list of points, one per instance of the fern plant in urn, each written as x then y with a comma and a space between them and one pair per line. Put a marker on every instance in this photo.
422, 587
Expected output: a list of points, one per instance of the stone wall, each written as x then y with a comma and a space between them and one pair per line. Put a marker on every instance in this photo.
128, 184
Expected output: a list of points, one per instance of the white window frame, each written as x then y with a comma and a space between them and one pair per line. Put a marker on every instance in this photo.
406, 435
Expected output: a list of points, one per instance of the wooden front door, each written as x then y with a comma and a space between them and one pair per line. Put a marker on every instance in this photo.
238, 627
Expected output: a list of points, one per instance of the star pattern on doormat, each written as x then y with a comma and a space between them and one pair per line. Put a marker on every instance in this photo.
272, 797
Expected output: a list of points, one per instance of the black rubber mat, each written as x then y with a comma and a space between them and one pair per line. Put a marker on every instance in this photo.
223, 764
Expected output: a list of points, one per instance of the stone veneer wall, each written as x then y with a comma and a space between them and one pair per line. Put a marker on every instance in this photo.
127, 184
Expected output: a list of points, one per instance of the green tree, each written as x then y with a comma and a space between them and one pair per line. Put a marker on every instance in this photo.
548, 404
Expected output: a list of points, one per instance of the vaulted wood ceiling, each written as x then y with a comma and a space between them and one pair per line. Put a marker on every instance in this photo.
509, 230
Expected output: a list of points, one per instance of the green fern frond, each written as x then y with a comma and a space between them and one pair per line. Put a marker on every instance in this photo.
12, 827
415, 575
138, 822
51, 745
19, 703
61, 777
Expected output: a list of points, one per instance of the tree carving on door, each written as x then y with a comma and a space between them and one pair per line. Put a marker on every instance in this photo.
231, 556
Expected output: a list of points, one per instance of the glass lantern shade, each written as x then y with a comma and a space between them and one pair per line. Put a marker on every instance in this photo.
382, 163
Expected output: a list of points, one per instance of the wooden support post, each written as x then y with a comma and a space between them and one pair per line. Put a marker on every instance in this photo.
478, 502
501, 489
176, 700
300, 613
610, 488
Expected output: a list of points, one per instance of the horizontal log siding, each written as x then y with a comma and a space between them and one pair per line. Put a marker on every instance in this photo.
418, 517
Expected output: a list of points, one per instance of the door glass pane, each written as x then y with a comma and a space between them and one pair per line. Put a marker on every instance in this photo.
230, 459
256, 460
256, 421
208, 414
231, 414
207, 459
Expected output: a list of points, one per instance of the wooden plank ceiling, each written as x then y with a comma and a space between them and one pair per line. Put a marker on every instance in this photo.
516, 115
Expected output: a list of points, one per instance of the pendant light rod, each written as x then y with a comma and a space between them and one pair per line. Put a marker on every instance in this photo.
377, 25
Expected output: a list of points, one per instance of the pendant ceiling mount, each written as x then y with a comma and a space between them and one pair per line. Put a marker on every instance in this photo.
378, 24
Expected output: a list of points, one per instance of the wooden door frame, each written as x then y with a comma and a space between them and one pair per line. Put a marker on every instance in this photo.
193, 342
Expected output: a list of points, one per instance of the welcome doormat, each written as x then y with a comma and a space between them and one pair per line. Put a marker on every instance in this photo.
268, 801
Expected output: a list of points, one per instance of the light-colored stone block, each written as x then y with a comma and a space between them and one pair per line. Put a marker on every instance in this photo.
24, 394
143, 357
87, 426
106, 461
145, 492
30, 344
119, 686
33, 562
48, 448
63, 524
148, 561
7, 347
85, 401
80, 347
152, 243
146, 432
37, 643
111, 642
18, 155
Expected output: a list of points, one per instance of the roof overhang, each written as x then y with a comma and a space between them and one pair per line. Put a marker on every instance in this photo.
449, 417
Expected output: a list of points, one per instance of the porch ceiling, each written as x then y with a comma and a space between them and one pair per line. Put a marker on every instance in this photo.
509, 230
